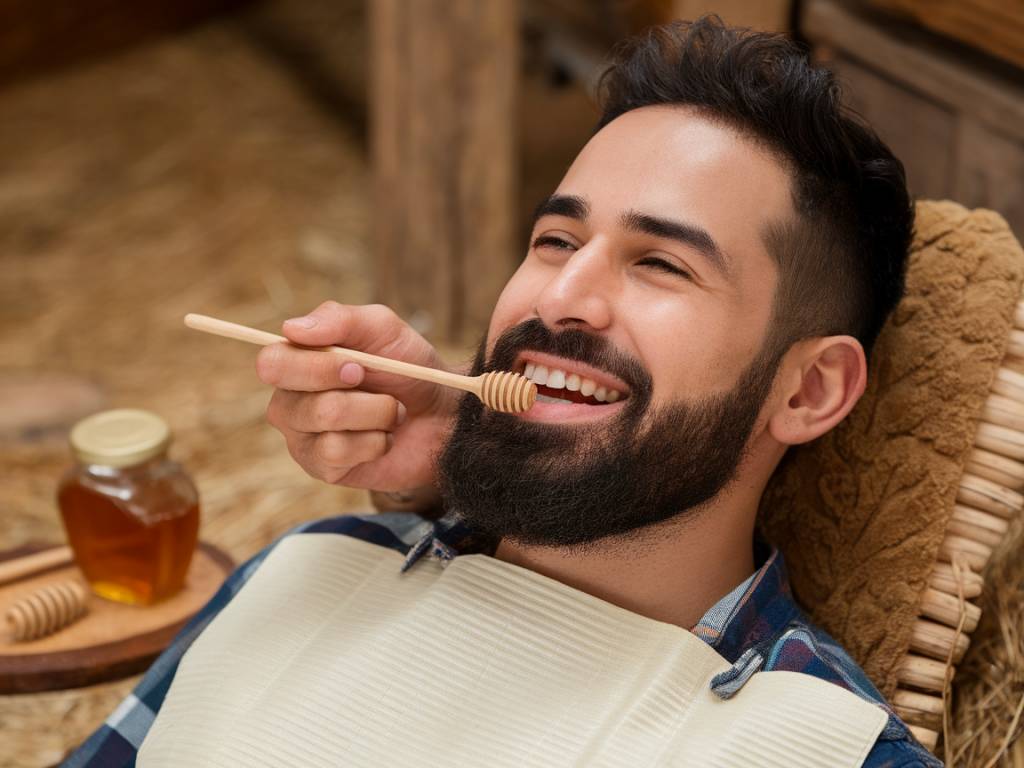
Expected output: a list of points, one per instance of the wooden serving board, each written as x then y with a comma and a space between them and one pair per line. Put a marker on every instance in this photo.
112, 640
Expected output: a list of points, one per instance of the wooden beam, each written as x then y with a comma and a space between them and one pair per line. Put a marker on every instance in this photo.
443, 146
993, 26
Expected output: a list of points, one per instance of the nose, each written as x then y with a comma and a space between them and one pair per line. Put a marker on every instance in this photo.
580, 292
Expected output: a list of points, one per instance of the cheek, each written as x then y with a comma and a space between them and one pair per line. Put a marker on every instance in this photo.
515, 304
686, 347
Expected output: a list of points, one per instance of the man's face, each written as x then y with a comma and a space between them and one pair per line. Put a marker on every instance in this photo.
643, 301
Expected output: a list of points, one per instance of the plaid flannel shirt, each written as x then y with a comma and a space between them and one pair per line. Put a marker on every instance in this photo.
757, 626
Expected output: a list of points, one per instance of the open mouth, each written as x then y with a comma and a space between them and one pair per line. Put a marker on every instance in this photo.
562, 381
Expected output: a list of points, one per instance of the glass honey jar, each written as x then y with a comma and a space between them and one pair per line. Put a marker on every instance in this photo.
131, 515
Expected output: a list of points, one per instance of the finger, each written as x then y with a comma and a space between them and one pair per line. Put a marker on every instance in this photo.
302, 447
352, 374
334, 411
303, 370
332, 450
370, 327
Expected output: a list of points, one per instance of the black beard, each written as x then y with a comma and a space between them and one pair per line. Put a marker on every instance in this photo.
572, 485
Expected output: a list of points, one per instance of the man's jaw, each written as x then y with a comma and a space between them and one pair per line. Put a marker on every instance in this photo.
569, 390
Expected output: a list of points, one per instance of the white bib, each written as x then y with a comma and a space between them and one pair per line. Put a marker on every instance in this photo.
328, 656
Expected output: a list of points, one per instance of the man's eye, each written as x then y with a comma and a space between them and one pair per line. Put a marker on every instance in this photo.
554, 242
664, 266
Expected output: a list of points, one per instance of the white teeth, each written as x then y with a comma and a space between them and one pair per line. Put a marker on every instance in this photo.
555, 379
545, 399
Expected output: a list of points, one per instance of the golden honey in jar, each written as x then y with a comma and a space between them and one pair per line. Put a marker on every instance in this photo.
131, 515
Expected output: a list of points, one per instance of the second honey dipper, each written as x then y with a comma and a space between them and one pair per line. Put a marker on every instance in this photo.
47, 610
501, 390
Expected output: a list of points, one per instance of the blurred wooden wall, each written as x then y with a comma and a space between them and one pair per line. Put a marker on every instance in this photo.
953, 115
768, 16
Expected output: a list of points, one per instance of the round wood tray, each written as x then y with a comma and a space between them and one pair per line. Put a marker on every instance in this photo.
112, 640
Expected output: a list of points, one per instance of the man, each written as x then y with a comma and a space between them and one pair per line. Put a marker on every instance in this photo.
701, 291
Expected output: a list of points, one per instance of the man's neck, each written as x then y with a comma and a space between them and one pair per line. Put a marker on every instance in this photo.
675, 578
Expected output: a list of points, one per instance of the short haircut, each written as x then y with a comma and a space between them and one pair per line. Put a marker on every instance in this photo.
842, 263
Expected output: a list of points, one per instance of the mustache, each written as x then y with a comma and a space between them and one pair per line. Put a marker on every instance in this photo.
572, 344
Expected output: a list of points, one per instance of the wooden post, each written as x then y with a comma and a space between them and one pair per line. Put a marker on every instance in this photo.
443, 146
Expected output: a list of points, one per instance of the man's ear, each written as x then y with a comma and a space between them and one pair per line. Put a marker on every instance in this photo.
822, 379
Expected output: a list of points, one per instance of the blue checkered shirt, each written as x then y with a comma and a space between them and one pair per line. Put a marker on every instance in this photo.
757, 626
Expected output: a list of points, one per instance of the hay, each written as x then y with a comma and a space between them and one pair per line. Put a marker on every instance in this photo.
189, 175
186, 176
988, 697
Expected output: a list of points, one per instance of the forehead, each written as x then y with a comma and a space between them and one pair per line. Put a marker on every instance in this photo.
672, 162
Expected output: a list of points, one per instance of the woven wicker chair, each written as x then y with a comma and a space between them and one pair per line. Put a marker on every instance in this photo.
889, 522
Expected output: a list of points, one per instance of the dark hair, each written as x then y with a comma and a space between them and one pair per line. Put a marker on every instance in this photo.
842, 264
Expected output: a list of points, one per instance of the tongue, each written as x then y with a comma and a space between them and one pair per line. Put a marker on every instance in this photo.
567, 394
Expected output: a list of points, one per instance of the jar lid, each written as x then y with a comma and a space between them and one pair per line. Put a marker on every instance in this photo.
120, 438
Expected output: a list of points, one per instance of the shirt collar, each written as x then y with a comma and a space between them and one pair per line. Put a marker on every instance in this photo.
448, 537
740, 624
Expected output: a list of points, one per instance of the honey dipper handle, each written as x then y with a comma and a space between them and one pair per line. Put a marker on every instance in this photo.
387, 365
231, 330
20, 567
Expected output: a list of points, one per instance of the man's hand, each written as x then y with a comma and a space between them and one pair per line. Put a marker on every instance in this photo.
383, 435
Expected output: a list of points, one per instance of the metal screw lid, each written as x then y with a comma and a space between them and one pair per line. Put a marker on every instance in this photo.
120, 438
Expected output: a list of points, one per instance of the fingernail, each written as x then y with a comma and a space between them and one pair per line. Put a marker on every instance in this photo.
303, 322
401, 414
350, 373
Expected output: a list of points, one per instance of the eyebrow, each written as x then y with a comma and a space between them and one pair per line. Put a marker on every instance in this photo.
689, 235
570, 206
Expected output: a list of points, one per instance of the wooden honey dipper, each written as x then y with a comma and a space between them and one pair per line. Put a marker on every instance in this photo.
501, 390
46, 610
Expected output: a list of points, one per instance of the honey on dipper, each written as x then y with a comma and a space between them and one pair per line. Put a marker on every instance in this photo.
131, 515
